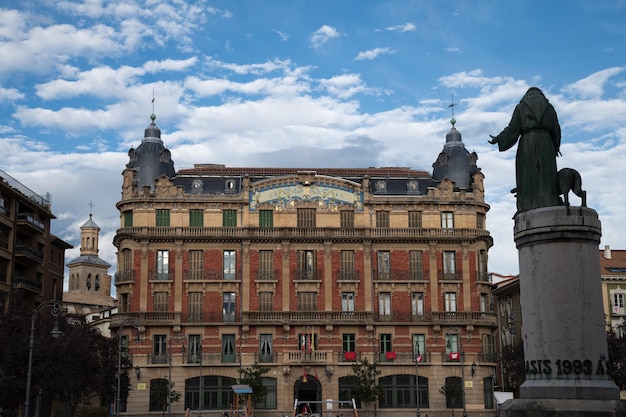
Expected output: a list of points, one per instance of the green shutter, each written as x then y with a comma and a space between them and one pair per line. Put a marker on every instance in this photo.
162, 217
196, 218
229, 218
128, 219
266, 218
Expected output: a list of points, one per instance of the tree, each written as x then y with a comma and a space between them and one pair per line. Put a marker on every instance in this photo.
253, 377
453, 391
617, 353
366, 388
73, 369
513, 369
164, 394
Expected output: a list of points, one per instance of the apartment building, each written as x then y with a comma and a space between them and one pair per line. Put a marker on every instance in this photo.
305, 271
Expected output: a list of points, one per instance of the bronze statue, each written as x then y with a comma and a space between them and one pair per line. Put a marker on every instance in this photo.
535, 124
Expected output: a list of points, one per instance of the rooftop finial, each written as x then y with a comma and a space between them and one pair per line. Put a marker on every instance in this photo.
451, 106
152, 116
90, 208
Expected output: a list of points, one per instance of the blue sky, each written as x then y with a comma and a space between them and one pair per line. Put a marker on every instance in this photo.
350, 83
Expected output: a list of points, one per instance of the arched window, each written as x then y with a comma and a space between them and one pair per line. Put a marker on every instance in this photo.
88, 286
97, 283
270, 401
399, 391
217, 393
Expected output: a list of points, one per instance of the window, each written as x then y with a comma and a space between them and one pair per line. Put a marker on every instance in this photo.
415, 219
195, 264
270, 402
158, 394
266, 348
306, 265
483, 275
162, 217
488, 392
195, 348
419, 347
480, 221
399, 391
88, 283
307, 301
229, 264
307, 341
159, 348
266, 218
453, 389
382, 219
195, 306
346, 389
266, 301
452, 344
384, 265
450, 301
617, 301
384, 306
128, 219
484, 302
489, 348
196, 218
163, 264
306, 218
229, 218
416, 265
228, 348
347, 265
347, 301
217, 393
447, 220
385, 347
449, 265
417, 305
346, 219
96, 285
161, 301
228, 307
124, 302
266, 264
348, 344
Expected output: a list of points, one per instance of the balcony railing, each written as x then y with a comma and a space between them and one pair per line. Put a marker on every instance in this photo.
307, 317
348, 274
124, 276
28, 252
26, 219
21, 282
295, 232
453, 318
154, 318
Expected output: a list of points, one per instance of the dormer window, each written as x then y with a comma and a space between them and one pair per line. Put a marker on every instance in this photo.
229, 186
381, 187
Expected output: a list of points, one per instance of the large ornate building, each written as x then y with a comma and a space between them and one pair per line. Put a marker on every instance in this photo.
306, 272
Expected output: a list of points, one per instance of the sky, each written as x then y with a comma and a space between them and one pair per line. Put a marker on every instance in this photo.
294, 83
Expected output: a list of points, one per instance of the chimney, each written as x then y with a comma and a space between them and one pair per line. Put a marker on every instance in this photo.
607, 252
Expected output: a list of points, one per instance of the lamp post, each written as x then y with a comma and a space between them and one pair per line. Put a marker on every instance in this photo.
57, 308
136, 323
418, 358
462, 355
200, 381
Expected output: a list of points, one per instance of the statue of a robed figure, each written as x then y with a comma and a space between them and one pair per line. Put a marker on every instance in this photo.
536, 127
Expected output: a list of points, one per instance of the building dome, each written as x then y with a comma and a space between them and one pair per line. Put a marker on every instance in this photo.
151, 159
455, 162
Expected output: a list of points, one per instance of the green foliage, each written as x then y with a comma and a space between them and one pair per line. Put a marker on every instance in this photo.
512, 362
74, 369
253, 377
366, 388
616, 341
453, 391
160, 397
93, 412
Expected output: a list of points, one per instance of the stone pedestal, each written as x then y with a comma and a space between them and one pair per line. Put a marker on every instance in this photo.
565, 347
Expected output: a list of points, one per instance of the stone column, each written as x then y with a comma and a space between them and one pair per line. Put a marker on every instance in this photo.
565, 345
565, 349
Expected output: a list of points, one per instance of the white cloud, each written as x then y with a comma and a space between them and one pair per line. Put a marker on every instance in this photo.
407, 27
373, 53
592, 86
323, 35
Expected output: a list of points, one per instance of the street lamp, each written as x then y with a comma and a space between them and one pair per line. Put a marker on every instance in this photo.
462, 355
57, 308
418, 358
135, 323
